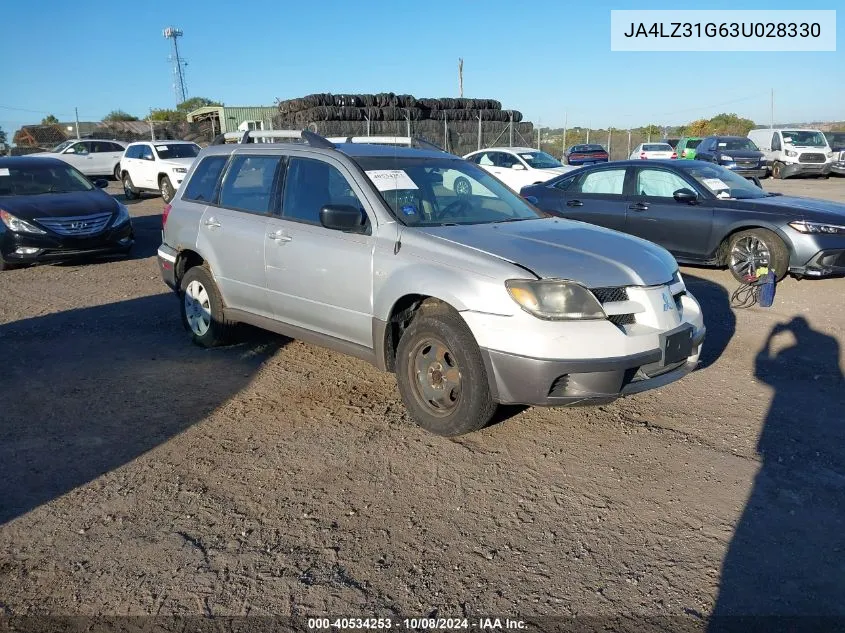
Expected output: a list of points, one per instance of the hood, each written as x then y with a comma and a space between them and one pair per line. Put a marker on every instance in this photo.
178, 162
810, 209
59, 204
564, 249
741, 153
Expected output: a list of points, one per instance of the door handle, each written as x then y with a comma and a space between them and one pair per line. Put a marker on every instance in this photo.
212, 223
574, 203
639, 206
279, 236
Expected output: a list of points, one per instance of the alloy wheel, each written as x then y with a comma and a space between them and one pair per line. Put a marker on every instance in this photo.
748, 254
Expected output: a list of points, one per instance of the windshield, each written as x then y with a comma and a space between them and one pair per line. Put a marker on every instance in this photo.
724, 183
693, 143
179, 150
540, 160
736, 144
657, 147
798, 138
62, 146
440, 191
33, 180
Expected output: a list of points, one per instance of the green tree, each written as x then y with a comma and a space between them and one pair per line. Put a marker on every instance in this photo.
730, 124
49, 120
194, 103
2, 136
699, 127
167, 115
119, 115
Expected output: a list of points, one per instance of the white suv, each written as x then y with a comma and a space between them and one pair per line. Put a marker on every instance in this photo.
92, 157
156, 166
517, 167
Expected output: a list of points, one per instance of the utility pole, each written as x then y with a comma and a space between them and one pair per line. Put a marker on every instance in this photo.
588, 133
479, 131
565, 122
76, 113
538, 138
629, 142
461, 75
609, 132
510, 137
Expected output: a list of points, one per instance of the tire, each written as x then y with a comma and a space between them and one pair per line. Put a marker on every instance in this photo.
166, 188
116, 172
129, 191
777, 170
744, 245
445, 405
463, 187
201, 307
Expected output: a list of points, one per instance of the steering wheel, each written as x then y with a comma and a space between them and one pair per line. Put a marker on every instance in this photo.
454, 208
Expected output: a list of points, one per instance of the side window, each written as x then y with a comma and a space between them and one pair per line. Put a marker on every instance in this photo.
602, 182
776, 142
146, 152
658, 183
100, 147
312, 184
78, 148
564, 183
114, 147
203, 183
248, 185
485, 159
506, 160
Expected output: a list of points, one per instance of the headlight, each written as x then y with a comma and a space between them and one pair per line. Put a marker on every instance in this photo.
555, 299
803, 226
19, 226
122, 215
180, 170
790, 152
830, 154
726, 157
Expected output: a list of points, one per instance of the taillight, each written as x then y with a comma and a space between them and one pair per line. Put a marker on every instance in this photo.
674, 154
164, 215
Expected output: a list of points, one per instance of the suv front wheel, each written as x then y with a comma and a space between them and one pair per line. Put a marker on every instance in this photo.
202, 308
166, 188
441, 375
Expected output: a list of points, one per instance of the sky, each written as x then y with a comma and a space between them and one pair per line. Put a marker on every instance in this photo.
551, 60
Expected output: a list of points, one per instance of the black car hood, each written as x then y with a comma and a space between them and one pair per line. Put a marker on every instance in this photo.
810, 209
59, 204
741, 153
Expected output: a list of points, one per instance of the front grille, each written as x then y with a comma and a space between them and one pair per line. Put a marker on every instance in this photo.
607, 295
747, 163
79, 225
811, 158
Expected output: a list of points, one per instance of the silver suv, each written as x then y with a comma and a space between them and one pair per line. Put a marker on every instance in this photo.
472, 299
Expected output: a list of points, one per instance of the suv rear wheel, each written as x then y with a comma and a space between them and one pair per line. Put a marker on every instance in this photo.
441, 374
202, 308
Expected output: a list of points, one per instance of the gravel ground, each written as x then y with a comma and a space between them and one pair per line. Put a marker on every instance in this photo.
142, 475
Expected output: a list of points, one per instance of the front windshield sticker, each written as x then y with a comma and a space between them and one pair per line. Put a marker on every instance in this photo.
4, 171
714, 184
723, 144
787, 139
391, 179
527, 156
723, 195
409, 209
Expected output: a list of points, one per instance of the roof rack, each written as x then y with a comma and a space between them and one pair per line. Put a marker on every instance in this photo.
410, 141
271, 136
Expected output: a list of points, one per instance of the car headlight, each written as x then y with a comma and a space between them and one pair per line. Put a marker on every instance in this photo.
19, 226
790, 152
555, 299
830, 154
803, 226
726, 157
122, 215
180, 170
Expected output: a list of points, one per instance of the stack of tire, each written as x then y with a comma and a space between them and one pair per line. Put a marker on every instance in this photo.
451, 123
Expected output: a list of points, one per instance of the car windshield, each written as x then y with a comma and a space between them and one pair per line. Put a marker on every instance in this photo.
33, 180
724, 183
440, 191
736, 144
657, 147
62, 146
540, 160
178, 150
801, 138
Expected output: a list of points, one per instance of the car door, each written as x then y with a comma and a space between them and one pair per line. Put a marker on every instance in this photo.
146, 168
654, 214
101, 158
595, 196
318, 278
232, 232
79, 155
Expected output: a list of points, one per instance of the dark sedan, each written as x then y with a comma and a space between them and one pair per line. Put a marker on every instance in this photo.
703, 214
737, 153
585, 155
49, 211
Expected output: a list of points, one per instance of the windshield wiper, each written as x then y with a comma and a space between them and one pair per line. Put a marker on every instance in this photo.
513, 220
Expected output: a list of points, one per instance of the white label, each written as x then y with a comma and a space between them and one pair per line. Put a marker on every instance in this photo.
527, 156
161, 148
390, 179
715, 184
723, 144
4, 171
787, 139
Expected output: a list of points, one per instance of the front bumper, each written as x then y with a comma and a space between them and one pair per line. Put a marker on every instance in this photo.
543, 382
27, 248
747, 172
816, 255
805, 169
838, 168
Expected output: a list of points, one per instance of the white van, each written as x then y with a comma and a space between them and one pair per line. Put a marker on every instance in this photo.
794, 151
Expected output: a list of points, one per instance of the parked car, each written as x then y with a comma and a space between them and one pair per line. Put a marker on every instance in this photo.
672, 142
737, 153
686, 147
585, 155
836, 140
51, 211
93, 157
516, 166
794, 152
471, 300
703, 214
158, 166
652, 151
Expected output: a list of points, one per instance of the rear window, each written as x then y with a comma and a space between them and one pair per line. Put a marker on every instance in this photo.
203, 183
588, 148
693, 143
657, 147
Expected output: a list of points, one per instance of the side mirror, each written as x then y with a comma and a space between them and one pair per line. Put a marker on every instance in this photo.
101, 183
342, 217
531, 200
685, 195
517, 166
